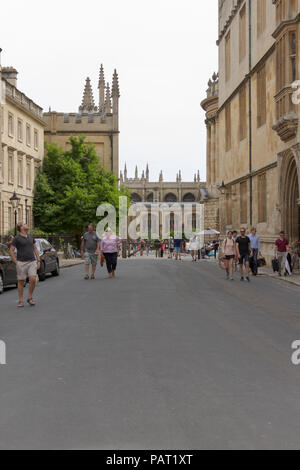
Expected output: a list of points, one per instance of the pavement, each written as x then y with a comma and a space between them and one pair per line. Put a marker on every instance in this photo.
169, 355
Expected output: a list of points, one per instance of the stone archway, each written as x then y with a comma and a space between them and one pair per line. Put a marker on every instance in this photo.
291, 199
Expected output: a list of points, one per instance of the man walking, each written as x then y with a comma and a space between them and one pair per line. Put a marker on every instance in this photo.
177, 248
255, 247
244, 253
281, 251
27, 262
90, 248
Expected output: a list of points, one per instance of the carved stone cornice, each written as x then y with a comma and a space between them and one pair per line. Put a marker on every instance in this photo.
286, 127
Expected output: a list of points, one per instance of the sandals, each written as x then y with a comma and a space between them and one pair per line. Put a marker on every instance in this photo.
20, 304
31, 302
87, 278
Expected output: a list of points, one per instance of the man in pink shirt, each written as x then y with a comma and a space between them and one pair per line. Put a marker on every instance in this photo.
281, 251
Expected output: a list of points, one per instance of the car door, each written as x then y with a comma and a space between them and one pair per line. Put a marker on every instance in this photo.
48, 256
8, 266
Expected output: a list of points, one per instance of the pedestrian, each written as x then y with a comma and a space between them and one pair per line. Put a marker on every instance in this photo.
148, 247
162, 248
27, 262
109, 248
216, 245
171, 248
157, 246
194, 247
142, 245
229, 252
90, 248
255, 248
281, 251
177, 248
244, 253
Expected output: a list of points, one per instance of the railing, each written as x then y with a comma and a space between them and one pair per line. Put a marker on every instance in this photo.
21, 99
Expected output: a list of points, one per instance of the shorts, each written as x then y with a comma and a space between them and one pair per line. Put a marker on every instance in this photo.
228, 257
245, 257
26, 269
91, 258
177, 249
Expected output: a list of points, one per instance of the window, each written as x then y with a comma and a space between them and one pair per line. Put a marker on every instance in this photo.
227, 57
280, 59
262, 198
243, 203
10, 125
228, 127
36, 139
293, 54
28, 175
243, 110
28, 135
20, 131
261, 96
242, 32
10, 166
20, 172
229, 208
261, 16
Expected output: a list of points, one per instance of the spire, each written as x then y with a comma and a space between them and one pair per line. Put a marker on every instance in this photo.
125, 172
101, 87
195, 178
147, 173
115, 91
179, 176
198, 177
88, 104
136, 173
107, 100
161, 177
143, 175
121, 177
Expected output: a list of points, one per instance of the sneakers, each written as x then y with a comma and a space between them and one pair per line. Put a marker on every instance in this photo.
242, 279
248, 278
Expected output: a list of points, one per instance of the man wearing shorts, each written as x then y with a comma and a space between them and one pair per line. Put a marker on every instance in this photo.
177, 248
90, 248
27, 262
244, 253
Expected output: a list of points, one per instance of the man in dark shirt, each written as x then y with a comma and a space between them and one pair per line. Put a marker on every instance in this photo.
244, 251
281, 251
27, 261
90, 249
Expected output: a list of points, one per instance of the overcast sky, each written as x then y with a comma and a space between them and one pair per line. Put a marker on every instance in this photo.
164, 51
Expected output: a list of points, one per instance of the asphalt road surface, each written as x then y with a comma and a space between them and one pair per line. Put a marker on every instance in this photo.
168, 355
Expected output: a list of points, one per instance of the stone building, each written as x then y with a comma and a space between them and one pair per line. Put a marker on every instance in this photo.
253, 136
98, 123
143, 190
21, 149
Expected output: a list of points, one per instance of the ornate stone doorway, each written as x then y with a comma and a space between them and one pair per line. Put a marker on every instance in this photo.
291, 201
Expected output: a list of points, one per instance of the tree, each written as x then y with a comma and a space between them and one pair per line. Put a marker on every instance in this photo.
70, 187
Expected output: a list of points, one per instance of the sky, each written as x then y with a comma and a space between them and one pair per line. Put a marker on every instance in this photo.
164, 51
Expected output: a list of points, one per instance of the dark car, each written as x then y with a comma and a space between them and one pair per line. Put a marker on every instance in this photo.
49, 259
8, 272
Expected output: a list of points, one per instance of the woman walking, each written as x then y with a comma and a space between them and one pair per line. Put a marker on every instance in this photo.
194, 247
229, 252
109, 248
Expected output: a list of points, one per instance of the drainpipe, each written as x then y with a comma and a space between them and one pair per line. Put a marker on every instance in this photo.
250, 111
112, 154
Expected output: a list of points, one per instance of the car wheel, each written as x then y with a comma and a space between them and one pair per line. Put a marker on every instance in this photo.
42, 272
56, 270
1, 284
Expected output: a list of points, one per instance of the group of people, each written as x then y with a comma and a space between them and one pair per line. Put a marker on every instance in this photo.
246, 250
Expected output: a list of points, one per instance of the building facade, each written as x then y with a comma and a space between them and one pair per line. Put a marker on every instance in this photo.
253, 136
21, 149
98, 123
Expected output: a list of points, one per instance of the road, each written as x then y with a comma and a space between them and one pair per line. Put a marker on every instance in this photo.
168, 355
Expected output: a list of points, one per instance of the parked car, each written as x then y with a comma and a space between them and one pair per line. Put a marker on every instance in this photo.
49, 259
8, 272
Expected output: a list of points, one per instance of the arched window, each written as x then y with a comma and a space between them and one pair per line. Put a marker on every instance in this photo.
189, 198
170, 198
135, 198
150, 197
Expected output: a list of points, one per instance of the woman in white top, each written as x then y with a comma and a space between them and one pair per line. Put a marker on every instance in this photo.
194, 247
229, 253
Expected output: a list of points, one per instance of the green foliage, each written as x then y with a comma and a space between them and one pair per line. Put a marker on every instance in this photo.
70, 187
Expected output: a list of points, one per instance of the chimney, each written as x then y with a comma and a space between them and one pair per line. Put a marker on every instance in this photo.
10, 74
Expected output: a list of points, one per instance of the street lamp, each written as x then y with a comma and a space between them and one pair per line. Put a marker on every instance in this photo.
15, 203
26, 211
222, 188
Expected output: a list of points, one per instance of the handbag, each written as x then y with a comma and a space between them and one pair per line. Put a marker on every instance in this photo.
261, 262
275, 265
